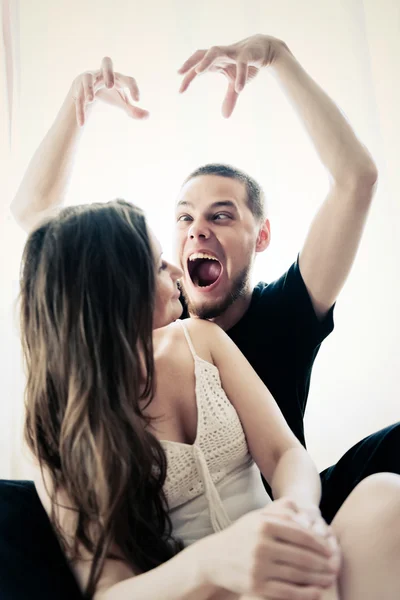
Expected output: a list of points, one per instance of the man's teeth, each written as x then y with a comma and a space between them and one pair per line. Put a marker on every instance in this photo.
198, 255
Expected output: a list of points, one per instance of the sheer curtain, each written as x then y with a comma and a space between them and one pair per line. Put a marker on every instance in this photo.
10, 370
352, 48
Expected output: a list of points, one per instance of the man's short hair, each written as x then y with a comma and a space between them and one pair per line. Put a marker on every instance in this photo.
255, 193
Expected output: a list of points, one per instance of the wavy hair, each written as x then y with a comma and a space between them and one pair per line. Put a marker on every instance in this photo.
87, 298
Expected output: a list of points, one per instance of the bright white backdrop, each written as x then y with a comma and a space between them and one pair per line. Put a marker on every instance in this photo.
351, 47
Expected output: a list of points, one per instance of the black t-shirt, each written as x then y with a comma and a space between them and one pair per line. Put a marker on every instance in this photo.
280, 336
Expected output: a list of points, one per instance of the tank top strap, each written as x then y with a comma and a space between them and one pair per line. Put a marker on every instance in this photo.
188, 338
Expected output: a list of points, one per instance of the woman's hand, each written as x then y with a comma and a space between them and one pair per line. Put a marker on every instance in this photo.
111, 87
268, 554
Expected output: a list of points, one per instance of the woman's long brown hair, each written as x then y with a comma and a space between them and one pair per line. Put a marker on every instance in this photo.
87, 297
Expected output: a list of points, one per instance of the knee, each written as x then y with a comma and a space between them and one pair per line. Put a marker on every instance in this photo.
370, 517
380, 487
376, 501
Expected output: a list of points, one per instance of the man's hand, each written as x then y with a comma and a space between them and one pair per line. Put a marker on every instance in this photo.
111, 87
239, 62
309, 516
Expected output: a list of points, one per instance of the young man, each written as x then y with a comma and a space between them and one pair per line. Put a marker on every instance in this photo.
221, 226
279, 327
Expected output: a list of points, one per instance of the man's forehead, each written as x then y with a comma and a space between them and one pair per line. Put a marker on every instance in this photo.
206, 190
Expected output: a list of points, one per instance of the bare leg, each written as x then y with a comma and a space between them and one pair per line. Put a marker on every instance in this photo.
368, 529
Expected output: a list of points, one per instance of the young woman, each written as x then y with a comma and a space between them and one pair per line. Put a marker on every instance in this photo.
144, 430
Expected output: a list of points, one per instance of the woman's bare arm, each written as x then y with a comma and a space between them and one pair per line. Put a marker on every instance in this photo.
181, 578
285, 464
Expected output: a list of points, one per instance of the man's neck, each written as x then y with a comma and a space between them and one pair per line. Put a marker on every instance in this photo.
235, 312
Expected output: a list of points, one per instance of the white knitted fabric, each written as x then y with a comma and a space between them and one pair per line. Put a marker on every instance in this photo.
219, 454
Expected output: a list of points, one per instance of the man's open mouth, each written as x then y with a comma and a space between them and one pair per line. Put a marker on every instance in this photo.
204, 269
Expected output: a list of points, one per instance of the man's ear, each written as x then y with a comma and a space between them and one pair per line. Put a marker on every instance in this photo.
264, 236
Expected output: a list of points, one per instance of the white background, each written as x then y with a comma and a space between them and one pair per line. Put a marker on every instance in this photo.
350, 47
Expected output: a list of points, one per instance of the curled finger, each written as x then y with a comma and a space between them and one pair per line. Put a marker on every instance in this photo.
133, 111
129, 83
187, 80
302, 558
133, 88
88, 87
192, 61
279, 590
210, 56
297, 576
295, 535
230, 100
79, 99
108, 72
241, 76
138, 113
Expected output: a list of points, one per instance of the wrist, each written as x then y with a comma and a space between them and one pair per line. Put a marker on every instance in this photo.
302, 503
281, 51
310, 508
284, 59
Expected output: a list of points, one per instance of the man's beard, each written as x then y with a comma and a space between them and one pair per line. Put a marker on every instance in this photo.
238, 289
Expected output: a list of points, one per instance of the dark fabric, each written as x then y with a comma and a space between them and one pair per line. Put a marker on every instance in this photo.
280, 336
377, 453
32, 565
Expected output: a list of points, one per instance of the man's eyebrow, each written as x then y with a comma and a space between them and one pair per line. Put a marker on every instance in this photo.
218, 204
227, 203
184, 203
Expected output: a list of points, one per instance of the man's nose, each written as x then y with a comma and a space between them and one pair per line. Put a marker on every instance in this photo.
198, 231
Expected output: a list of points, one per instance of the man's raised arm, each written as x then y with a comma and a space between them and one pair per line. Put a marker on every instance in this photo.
335, 233
43, 188
334, 236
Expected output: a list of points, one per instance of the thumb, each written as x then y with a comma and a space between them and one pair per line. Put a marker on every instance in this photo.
135, 112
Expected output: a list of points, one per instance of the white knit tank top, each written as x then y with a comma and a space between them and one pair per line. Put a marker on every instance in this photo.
213, 481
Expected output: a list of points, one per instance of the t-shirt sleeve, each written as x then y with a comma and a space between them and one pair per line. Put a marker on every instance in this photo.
296, 311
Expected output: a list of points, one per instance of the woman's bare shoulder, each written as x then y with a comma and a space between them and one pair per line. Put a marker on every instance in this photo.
170, 344
201, 328
168, 338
